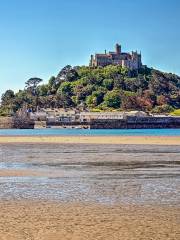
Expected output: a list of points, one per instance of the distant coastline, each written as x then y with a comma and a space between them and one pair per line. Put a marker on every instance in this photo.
91, 121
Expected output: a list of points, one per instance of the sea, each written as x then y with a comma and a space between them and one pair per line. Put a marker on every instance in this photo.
90, 132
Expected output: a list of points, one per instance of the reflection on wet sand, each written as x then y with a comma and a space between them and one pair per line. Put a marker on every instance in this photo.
108, 174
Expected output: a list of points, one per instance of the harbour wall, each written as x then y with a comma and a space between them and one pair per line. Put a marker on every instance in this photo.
6, 122
127, 123
74, 124
136, 123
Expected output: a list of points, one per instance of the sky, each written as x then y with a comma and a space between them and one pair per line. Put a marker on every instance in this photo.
39, 37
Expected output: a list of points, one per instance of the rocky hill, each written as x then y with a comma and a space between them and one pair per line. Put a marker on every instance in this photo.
99, 89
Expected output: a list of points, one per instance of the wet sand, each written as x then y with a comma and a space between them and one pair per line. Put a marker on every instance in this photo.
89, 191
153, 140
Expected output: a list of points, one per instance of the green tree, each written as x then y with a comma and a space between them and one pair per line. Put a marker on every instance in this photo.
163, 109
7, 103
67, 74
43, 90
52, 85
31, 85
7, 97
112, 99
108, 83
65, 92
65, 89
95, 99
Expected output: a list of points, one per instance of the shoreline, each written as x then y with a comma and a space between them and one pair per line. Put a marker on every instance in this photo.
68, 139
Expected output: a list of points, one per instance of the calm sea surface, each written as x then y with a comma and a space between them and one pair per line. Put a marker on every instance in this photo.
106, 174
96, 132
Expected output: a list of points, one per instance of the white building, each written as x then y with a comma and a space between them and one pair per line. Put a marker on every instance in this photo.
54, 115
88, 116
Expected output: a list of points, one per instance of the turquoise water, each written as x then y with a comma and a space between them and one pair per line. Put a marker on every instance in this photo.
91, 132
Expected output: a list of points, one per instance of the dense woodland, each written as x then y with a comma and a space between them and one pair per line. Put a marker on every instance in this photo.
98, 89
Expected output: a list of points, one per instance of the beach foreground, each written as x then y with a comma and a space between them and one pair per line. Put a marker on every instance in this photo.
54, 221
69, 190
153, 140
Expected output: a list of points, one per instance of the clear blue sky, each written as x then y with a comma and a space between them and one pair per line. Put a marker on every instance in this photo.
39, 37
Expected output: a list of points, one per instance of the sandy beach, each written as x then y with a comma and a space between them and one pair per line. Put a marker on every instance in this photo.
153, 140
83, 188
25, 220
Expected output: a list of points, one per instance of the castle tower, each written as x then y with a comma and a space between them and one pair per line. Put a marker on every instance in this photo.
136, 57
139, 61
118, 49
91, 64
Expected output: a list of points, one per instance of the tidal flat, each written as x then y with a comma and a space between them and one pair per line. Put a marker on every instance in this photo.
89, 191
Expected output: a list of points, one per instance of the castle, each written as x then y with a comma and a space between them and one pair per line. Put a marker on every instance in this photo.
131, 60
